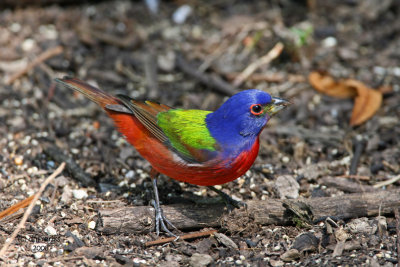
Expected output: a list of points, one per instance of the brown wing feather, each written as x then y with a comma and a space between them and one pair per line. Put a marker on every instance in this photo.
147, 115
157, 106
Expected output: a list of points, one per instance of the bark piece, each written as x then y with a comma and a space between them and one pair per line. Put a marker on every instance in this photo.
187, 216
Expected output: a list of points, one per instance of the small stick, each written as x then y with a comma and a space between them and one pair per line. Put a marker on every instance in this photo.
358, 150
357, 177
397, 216
29, 209
387, 182
14, 208
260, 77
264, 60
184, 237
103, 201
213, 81
41, 58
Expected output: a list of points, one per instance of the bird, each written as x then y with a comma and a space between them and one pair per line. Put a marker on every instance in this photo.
199, 147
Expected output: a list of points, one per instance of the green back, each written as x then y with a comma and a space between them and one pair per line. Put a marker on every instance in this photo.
187, 130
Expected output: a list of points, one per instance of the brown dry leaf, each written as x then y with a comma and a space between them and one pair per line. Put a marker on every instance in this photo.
324, 83
367, 101
366, 104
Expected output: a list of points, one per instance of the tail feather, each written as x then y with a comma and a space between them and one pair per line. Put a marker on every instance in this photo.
96, 95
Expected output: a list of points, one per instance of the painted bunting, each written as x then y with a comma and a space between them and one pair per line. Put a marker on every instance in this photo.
194, 146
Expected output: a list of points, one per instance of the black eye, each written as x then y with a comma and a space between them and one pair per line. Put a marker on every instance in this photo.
256, 109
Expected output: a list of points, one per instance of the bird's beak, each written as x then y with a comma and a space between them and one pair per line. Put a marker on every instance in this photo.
276, 105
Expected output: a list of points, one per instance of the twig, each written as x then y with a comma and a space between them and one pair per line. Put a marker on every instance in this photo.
397, 216
210, 80
264, 60
129, 41
346, 185
387, 182
184, 237
103, 201
41, 58
19, 176
29, 209
357, 177
358, 150
260, 77
14, 208
76, 171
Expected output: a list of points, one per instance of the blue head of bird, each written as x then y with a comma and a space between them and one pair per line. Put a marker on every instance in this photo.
239, 121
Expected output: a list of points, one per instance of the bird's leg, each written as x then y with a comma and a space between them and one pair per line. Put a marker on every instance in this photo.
230, 202
159, 215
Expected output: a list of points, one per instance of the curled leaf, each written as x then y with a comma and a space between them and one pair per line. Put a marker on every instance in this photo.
367, 101
324, 83
366, 104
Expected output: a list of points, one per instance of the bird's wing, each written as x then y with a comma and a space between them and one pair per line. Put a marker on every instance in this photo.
188, 133
183, 131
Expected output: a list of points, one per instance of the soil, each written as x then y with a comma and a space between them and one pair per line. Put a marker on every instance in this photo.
124, 48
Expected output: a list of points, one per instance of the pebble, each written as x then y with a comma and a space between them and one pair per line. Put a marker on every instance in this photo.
226, 241
139, 261
285, 159
15, 27
276, 263
32, 170
50, 164
200, 260
79, 194
92, 225
75, 151
361, 225
130, 174
38, 255
290, 255
329, 42
277, 248
28, 44
181, 14
50, 230
287, 187
18, 160
48, 31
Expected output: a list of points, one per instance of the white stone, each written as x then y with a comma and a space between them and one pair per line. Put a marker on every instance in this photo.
38, 255
79, 194
50, 230
92, 225
329, 42
181, 14
130, 174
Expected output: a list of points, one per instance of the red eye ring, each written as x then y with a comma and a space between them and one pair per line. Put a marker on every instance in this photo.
256, 109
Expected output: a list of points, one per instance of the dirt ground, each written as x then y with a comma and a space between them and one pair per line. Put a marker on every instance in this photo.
309, 150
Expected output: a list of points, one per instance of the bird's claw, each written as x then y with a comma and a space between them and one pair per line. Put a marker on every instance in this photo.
232, 203
163, 222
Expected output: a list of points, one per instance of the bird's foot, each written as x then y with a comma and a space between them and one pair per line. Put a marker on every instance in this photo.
163, 222
229, 201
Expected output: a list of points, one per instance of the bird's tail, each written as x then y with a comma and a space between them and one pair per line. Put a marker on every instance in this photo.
96, 95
